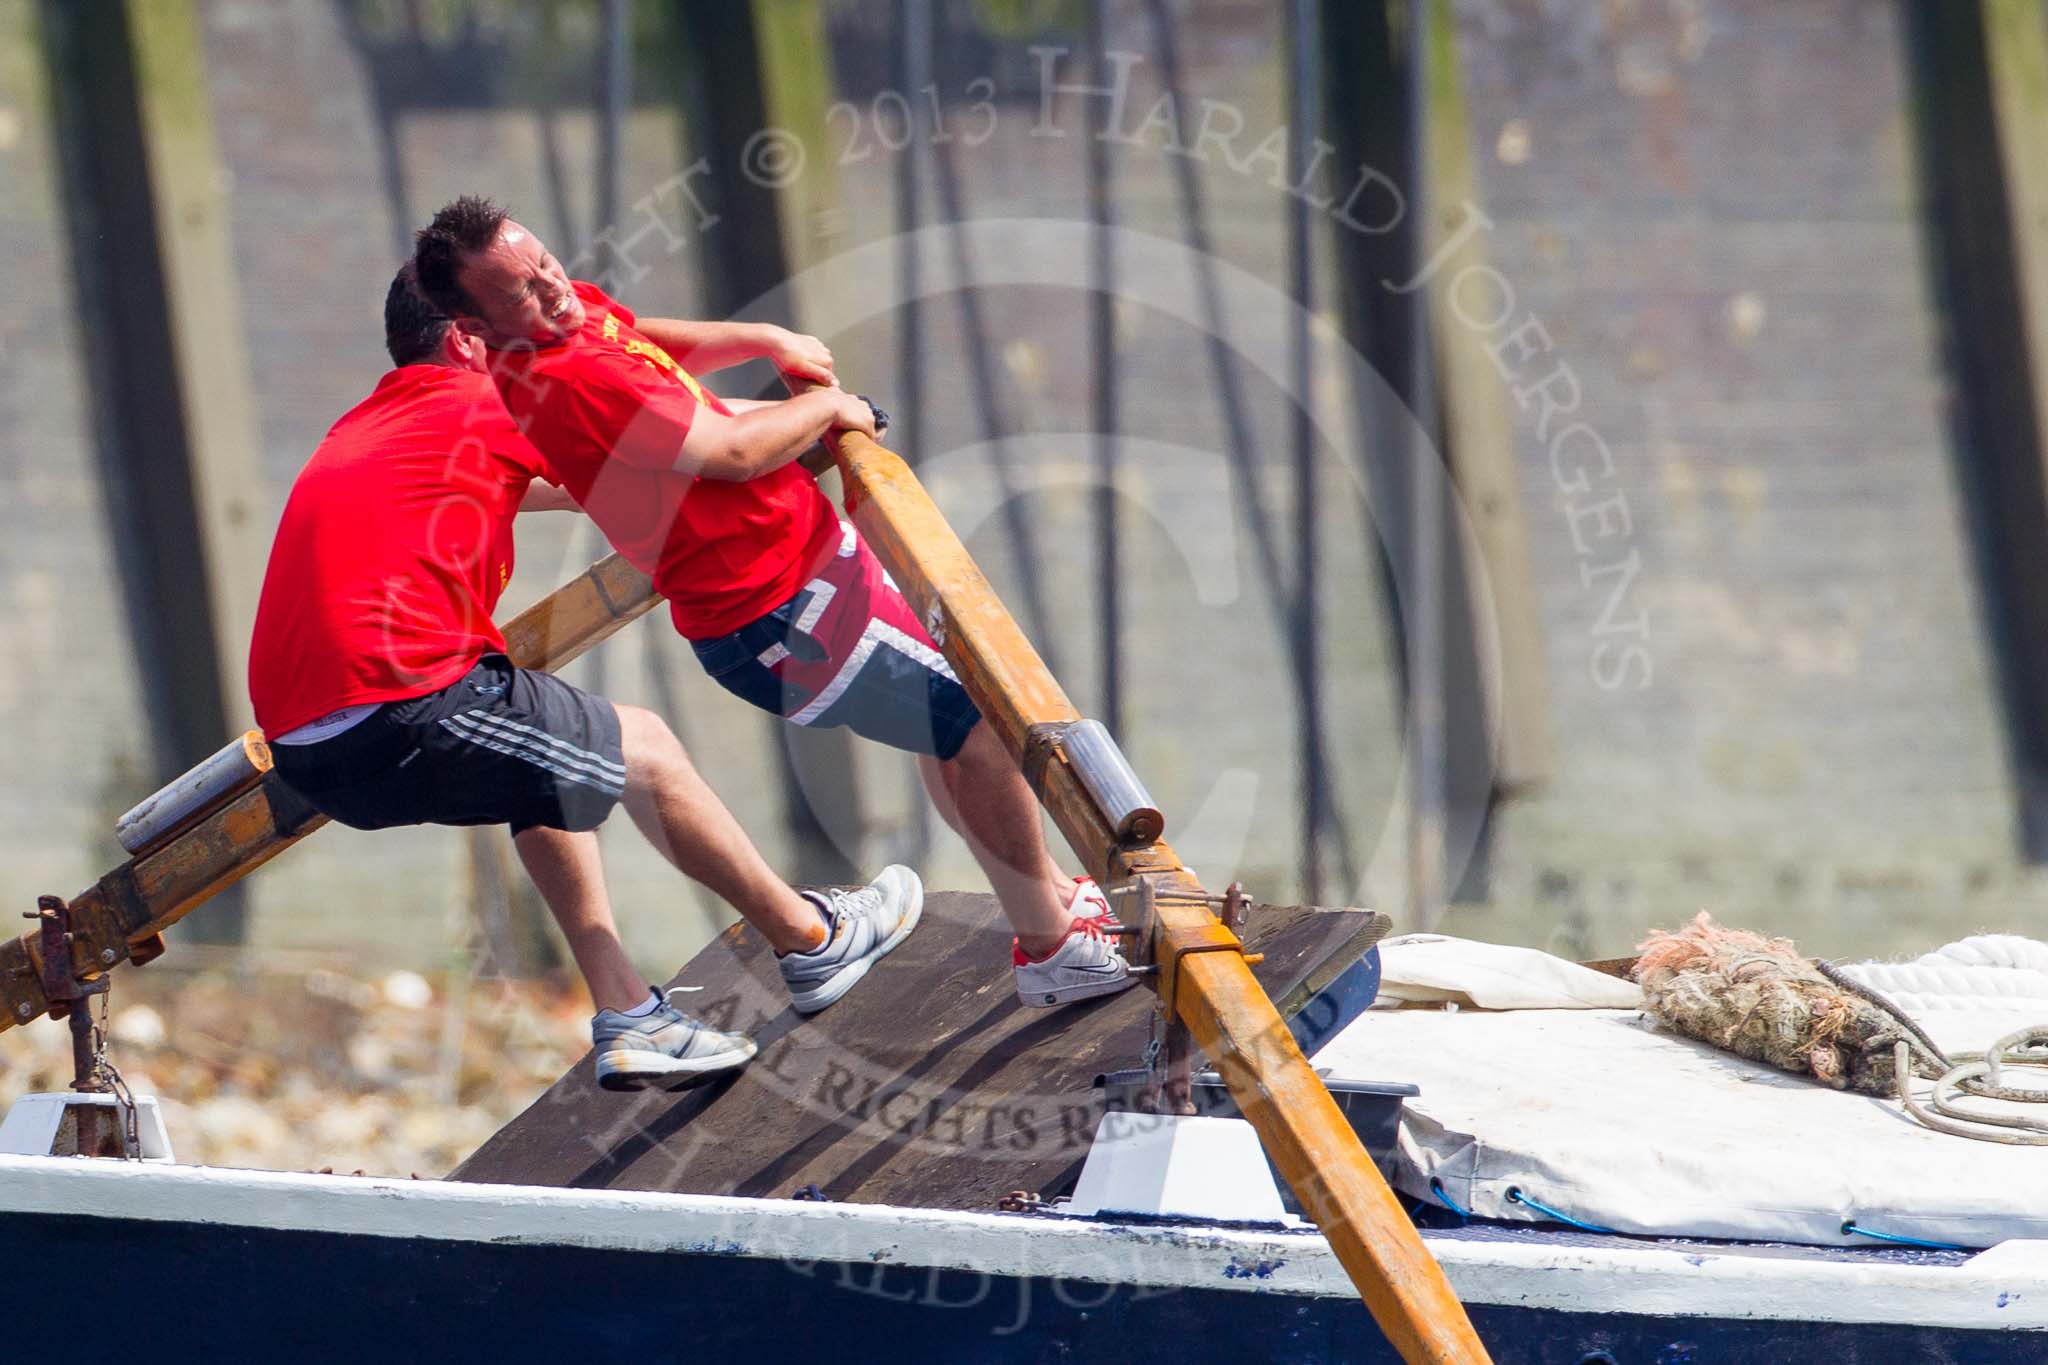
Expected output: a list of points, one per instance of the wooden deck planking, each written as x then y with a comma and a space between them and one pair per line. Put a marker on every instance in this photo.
929, 1085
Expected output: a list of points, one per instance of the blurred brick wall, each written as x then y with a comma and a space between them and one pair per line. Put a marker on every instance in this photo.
1711, 208
76, 741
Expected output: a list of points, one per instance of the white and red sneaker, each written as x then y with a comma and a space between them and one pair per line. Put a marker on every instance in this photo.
1088, 962
1089, 902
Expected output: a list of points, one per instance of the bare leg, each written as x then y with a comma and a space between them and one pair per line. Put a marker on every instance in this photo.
684, 819
982, 795
567, 869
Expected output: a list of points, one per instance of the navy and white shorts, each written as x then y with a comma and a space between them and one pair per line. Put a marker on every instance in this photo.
848, 650
500, 746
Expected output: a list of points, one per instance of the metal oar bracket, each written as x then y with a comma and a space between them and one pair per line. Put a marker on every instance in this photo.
99, 1118
1171, 941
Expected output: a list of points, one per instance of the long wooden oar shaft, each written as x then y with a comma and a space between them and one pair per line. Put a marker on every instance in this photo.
1202, 973
120, 916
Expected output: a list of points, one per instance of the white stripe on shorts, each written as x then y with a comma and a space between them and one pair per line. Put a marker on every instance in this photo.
554, 744
514, 746
590, 773
877, 633
500, 746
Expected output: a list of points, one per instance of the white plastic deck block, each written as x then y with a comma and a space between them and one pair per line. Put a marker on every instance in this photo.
1177, 1166
30, 1128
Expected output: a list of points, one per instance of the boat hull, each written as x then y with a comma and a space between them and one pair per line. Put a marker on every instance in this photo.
228, 1266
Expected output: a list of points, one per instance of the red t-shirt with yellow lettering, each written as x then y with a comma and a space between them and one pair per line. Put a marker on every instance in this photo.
608, 410
394, 546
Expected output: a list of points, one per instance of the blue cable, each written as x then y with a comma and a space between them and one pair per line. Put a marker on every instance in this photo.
1436, 1187
1849, 1227
1515, 1196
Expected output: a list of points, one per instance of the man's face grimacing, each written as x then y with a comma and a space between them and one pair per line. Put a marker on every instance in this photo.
520, 290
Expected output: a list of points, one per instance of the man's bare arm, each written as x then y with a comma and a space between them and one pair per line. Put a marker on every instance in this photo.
768, 436
739, 405
702, 347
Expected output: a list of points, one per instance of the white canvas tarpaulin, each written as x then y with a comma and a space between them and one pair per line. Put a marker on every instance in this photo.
1494, 976
1595, 1113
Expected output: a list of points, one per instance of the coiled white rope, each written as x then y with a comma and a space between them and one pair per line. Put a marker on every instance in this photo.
1983, 1074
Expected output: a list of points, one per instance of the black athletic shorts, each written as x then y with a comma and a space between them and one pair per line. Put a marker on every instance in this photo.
501, 746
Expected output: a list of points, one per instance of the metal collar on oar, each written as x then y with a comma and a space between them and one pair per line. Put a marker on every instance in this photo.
1105, 774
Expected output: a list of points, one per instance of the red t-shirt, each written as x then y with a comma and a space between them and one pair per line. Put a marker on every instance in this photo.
394, 545
608, 410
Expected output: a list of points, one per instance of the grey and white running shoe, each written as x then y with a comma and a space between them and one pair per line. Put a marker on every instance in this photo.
667, 1045
865, 924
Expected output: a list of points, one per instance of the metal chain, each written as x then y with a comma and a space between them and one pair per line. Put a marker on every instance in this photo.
109, 1076
1938, 1061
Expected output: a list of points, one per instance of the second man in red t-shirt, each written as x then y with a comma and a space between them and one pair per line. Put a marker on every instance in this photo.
781, 601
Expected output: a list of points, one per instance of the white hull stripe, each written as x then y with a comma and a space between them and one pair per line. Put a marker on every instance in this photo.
544, 742
513, 749
877, 633
2006, 1287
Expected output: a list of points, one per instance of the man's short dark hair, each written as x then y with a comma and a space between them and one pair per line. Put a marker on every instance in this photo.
413, 328
459, 231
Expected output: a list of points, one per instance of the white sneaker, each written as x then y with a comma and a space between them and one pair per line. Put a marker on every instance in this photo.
664, 1047
1089, 901
865, 925
1087, 963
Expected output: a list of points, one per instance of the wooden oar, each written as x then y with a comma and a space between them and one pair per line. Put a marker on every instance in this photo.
1201, 972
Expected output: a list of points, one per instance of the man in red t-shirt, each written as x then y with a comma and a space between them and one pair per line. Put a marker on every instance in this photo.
782, 602
385, 692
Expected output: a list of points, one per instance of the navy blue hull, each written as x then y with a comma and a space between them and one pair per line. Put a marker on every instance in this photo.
179, 1292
